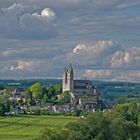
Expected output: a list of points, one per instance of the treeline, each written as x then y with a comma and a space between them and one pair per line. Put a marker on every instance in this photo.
44, 94
51, 94
120, 123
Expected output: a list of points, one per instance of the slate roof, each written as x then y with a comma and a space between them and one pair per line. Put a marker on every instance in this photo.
82, 81
79, 87
82, 84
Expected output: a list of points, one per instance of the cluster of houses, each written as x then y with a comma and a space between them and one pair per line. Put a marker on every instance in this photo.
15, 94
59, 108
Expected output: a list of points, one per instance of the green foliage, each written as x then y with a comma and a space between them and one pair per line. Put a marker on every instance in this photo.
65, 97
28, 96
2, 109
2, 87
44, 94
84, 113
36, 90
4, 104
58, 88
129, 100
130, 111
45, 112
50, 94
36, 112
48, 134
54, 90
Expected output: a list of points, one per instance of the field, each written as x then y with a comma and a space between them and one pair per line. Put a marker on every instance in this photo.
28, 127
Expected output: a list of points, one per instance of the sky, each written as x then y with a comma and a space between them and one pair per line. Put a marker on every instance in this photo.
101, 38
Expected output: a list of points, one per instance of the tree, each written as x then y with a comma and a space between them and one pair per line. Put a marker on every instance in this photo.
44, 91
36, 90
58, 88
2, 109
50, 92
48, 134
130, 111
5, 103
28, 96
65, 97
53, 91
2, 87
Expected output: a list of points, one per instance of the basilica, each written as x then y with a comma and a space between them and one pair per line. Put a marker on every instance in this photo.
82, 92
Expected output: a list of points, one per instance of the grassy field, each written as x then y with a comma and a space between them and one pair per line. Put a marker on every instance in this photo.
28, 127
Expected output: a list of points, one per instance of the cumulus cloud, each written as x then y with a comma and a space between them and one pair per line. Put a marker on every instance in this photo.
14, 10
129, 58
20, 65
105, 54
98, 74
113, 75
93, 54
103, 60
20, 21
98, 47
120, 58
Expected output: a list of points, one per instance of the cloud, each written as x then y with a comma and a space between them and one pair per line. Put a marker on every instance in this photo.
128, 3
112, 75
98, 47
47, 12
129, 58
103, 60
128, 75
20, 21
20, 66
105, 54
93, 54
44, 33
98, 74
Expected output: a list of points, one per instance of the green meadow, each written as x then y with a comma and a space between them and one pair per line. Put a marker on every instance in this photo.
29, 127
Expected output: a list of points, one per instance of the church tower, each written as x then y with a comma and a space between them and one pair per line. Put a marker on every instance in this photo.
67, 81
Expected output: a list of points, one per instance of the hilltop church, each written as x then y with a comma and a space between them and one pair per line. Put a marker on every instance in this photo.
82, 92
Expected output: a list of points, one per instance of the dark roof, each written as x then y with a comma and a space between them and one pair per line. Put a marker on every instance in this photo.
81, 84
20, 89
82, 81
79, 87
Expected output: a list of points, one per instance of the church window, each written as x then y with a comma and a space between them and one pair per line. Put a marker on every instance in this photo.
66, 78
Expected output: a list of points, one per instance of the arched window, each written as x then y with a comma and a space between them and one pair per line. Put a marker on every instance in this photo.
66, 78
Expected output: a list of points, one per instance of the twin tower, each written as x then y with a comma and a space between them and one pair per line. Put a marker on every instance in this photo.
68, 81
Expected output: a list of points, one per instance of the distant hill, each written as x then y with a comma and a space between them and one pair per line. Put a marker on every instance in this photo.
27, 83
110, 91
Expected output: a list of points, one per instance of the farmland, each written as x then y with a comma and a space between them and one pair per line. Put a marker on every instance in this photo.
28, 127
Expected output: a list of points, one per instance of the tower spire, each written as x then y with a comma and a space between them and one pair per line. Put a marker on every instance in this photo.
70, 68
68, 78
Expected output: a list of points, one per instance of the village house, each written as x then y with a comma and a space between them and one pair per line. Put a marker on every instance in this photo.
18, 95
